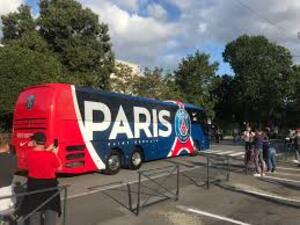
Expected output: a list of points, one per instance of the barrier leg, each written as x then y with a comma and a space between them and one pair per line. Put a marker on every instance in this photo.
207, 173
65, 205
228, 170
139, 196
177, 191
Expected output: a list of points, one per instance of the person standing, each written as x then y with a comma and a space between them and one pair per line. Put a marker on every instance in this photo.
7, 170
42, 164
297, 147
248, 137
271, 159
258, 151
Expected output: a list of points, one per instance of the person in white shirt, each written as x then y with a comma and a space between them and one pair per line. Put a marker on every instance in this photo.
248, 137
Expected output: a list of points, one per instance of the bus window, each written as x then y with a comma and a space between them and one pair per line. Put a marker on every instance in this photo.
199, 117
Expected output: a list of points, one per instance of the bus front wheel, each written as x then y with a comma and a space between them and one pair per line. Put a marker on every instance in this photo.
136, 159
113, 163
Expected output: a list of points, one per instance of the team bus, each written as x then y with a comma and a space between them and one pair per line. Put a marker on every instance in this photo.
103, 131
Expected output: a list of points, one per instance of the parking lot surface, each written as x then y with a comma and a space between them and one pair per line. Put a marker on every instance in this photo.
244, 199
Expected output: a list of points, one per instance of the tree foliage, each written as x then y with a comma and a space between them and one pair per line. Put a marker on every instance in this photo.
76, 37
66, 43
123, 79
194, 78
21, 67
263, 76
150, 84
17, 23
225, 108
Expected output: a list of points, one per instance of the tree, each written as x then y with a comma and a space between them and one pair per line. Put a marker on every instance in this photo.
17, 23
170, 91
22, 67
263, 76
195, 79
224, 91
76, 37
291, 116
123, 79
150, 84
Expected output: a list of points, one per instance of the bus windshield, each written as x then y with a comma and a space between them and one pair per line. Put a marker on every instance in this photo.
199, 117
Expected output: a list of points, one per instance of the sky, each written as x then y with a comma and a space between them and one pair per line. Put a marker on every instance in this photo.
161, 32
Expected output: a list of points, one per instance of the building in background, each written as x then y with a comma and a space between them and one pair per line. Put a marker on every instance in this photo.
125, 76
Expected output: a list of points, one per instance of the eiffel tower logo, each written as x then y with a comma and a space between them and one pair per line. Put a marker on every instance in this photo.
183, 128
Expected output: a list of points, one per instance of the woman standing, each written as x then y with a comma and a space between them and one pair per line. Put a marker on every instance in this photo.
42, 164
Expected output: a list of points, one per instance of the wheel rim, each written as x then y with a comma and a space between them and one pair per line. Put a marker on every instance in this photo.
114, 162
136, 158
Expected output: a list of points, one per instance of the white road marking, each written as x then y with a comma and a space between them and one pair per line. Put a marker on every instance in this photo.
124, 184
212, 151
262, 194
286, 174
286, 168
281, 179
237, 154
203, 213
225, 153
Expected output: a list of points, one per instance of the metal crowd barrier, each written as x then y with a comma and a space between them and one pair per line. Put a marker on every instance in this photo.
160, 191
14, 219
220, 165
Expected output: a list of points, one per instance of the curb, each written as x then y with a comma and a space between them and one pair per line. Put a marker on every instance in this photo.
271, 197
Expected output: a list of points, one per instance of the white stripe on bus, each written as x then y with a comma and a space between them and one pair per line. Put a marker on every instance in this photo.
95, 157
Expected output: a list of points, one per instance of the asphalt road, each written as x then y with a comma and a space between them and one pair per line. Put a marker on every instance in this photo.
99, 199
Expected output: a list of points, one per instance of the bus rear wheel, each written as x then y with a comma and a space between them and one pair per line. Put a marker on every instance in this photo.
136, 159
113, 163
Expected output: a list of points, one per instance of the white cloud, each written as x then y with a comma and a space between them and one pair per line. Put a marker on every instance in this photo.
154, 40
8, 6
131, 5
157, 11
135, 38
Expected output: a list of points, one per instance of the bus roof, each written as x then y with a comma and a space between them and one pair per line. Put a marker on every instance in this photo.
144, 99
108, 93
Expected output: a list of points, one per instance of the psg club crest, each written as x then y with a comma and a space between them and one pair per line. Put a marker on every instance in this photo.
183, 140
30, 102
182, 125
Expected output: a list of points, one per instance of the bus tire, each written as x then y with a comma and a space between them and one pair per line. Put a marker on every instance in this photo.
136, 159
196, 148
113, 163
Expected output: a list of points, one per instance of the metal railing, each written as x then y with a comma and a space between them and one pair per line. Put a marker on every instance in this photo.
15, 219
220, 165
160, 189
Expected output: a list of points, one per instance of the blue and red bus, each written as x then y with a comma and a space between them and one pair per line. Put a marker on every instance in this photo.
103, 131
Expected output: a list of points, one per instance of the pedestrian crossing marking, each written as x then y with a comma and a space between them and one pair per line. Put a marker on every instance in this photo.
231, 153
213, 151
225, 153
237, 154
